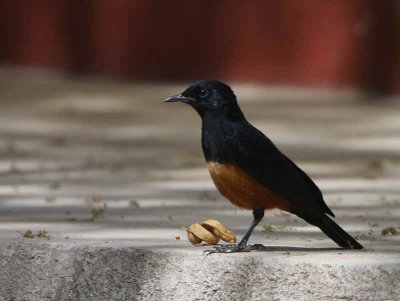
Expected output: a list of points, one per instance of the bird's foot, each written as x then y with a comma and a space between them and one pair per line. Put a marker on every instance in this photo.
234, 249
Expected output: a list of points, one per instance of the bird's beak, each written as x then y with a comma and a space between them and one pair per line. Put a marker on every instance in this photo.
180, 98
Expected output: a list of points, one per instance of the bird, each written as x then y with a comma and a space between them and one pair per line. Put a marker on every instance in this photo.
250, 171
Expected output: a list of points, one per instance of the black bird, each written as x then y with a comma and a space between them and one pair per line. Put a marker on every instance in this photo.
249, 170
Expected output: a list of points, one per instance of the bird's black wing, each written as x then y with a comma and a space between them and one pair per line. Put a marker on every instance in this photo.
259, 157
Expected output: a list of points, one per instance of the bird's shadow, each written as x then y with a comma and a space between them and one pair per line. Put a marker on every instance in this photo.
219, 249
295, 249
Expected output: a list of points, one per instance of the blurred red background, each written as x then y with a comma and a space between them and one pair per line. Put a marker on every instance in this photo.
340, 43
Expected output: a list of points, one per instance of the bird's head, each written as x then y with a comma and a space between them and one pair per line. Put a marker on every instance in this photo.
208, 97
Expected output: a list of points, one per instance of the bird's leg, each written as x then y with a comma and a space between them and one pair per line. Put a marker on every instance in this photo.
242, 246
258, 216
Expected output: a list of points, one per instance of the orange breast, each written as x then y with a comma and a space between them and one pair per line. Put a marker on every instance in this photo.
243, 190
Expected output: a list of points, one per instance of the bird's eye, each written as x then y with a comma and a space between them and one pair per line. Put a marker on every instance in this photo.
203, 93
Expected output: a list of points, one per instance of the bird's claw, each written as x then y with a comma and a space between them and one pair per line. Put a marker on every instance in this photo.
225, 249
234, 249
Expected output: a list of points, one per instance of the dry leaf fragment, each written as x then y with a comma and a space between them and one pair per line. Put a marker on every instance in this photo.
28, 234
394, 230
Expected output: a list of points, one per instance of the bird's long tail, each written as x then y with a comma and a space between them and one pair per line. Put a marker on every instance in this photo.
336, 233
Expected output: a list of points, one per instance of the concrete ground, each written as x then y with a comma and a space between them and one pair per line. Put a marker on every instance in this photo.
113, 175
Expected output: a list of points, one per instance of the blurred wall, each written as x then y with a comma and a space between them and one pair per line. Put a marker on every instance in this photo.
322, 43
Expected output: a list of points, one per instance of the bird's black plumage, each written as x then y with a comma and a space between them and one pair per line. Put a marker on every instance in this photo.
228, 138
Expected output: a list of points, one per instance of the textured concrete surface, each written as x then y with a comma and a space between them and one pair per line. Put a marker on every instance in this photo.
74, 272
68, 146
